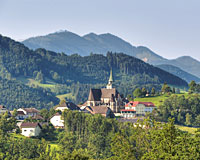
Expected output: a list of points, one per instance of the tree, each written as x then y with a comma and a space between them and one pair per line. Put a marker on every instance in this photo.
137, 92
173, 90
188, 119
180, 118
144, 92
166, 88
192, 86
197, 120
121, 148
40, 77
153, 91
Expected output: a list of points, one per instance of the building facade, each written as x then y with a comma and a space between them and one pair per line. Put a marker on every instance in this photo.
30, 129
108, 97
136, 108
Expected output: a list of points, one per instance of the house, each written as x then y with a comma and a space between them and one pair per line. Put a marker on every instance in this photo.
136, 108
30, 129
108, 96
128, 113
23, 113
67, 105
57, 121
3, 109
102, 110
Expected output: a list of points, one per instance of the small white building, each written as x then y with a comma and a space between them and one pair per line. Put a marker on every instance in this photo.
57, 121
23, 113
30, 129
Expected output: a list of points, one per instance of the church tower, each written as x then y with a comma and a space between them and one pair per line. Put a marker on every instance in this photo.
110, 81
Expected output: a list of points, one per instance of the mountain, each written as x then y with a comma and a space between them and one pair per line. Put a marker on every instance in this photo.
70, 43
178, 72
187, 64
73, 75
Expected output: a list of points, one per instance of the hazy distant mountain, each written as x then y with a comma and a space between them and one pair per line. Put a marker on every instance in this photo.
187, 64
178, 72
70, 43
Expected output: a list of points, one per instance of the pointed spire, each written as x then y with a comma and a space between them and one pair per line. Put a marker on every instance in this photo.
110, 81
111, 77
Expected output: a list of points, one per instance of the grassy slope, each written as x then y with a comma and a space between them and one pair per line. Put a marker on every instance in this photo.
157, 100
187, 129
49, 85
67, 95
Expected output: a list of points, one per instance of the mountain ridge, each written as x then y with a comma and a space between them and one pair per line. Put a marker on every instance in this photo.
70, 43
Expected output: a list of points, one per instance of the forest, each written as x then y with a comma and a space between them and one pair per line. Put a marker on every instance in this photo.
95, 137
74, 73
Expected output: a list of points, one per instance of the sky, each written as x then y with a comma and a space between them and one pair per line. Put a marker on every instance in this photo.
170, 28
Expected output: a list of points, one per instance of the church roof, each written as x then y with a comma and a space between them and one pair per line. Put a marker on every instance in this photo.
94, 95
107, 93
97, 94
98, 109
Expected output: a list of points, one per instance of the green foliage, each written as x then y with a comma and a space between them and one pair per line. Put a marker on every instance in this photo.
194, 88
166, 88
153, 91
15, 94
137, 93
185, 110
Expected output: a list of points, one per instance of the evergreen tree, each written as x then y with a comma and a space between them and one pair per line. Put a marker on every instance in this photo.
153, 91
137, 92
188, 119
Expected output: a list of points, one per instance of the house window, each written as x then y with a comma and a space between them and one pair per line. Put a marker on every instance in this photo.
31, 130
24, 130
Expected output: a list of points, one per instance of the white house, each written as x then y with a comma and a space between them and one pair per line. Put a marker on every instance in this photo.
57, 121
23, 113
30, 129
136, 108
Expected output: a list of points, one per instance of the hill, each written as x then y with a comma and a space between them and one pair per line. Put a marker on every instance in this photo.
73, 75
178, 72
71, 43
187, 64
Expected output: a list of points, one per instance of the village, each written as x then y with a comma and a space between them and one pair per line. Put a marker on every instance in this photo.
105, 101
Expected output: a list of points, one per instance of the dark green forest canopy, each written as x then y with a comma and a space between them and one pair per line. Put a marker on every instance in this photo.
78, 72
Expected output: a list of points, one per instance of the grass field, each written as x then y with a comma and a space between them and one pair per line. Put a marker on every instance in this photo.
157, 100
187, 129
30, 82
67, 95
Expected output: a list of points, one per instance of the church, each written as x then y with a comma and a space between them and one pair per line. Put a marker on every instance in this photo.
108, 96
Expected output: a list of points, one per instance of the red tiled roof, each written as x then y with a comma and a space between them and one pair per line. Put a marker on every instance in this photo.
135, 103
30, 125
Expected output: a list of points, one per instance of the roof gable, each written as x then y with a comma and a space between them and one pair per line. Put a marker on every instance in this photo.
94, 95
30, 125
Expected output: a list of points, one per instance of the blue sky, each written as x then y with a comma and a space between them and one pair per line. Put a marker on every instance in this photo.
171, 28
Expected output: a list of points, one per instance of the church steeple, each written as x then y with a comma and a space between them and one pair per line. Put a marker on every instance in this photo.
110, 81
